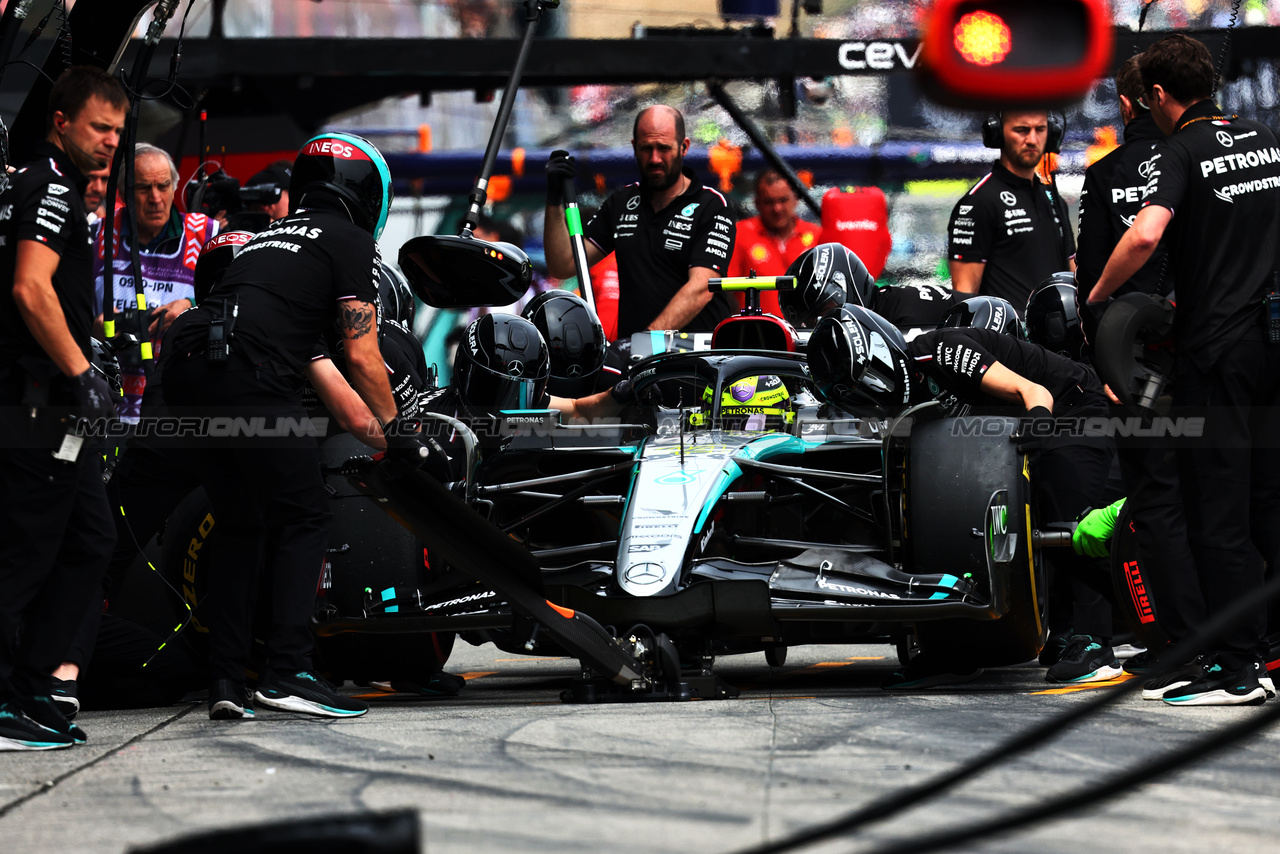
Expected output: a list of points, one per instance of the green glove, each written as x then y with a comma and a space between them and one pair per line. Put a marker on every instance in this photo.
1091, 535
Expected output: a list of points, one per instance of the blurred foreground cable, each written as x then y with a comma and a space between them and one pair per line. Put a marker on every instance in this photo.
1170, 660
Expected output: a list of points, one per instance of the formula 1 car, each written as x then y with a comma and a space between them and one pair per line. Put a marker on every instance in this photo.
717, 530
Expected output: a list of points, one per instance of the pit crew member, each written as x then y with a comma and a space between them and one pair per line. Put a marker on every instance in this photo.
1011, 230
770, 241
244, 351
1216, 193
55, 525
671, 234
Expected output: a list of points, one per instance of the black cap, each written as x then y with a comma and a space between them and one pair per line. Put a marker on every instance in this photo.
274, 176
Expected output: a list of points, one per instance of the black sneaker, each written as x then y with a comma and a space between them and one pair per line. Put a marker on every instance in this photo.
64, 696
1054, 647
1141, 664
308, 693
1155, 689
44, 711
436, 685
1219, 687
1086, 659
922, 672
19, 732
229, 701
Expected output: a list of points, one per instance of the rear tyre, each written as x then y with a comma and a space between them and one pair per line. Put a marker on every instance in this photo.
954, 466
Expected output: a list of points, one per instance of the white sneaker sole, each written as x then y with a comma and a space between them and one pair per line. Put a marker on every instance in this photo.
1158, 693
1102, 674
20, 744
1268, 686
1221, 698
293, 703
225, 710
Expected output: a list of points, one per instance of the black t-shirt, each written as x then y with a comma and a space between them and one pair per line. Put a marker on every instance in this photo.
289, 280
1019, 229
954, 362
1114, 189
657, 249
45, 203
913, 306
1221, 178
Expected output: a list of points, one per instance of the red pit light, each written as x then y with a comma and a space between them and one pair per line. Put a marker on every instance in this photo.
983, 38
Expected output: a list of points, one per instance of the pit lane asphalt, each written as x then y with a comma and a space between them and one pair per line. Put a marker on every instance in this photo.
506, 767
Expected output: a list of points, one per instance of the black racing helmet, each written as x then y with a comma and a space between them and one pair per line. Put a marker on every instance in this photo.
215, 257
575, 341
859, 359
992, 313
827, 276
398, 305
349, 167
1052, 319
502, 362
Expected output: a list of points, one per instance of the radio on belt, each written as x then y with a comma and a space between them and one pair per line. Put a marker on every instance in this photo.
221, 329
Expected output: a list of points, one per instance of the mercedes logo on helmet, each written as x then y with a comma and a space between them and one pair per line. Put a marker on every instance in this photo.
515, 368
574, 371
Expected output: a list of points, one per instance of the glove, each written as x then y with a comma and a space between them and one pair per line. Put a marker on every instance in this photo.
1090, 315
623, 392
1033, 429
405, 445
92, 395
560, 165
1094, 530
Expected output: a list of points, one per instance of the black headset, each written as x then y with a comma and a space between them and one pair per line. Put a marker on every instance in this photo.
993, 132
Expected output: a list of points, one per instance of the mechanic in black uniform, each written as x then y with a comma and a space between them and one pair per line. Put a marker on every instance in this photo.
243, 353
670, 231
831, 274
55, 527
1011, 230
1215, 190
858, 359
1114, 190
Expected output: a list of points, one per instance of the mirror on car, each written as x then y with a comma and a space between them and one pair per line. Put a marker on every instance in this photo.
465, 272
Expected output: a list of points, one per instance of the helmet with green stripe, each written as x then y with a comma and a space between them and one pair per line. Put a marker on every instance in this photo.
349, 167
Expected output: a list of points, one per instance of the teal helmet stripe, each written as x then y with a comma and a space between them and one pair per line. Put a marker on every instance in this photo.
378, 161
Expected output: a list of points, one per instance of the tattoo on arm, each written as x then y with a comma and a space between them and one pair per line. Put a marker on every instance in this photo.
356, 319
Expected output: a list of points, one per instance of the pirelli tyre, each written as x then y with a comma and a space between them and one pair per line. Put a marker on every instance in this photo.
370, 561
1133, 599
968, 511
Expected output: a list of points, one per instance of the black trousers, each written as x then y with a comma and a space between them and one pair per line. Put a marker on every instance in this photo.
116, 679
1229, 483
1071, 478
55, 537
257, 485
1154, 499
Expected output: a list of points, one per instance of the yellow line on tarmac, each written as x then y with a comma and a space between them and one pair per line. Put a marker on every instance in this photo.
1088, 686
476, 674
865, 658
